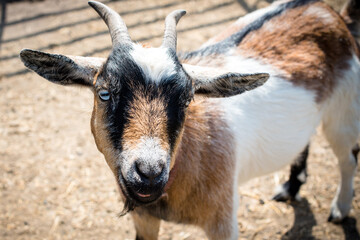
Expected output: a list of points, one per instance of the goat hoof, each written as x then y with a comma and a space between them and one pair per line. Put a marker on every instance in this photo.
281, 197
336, 216
330, 218
334, 219
282, 194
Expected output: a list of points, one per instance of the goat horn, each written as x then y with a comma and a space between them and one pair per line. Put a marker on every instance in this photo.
117, 28
170, 29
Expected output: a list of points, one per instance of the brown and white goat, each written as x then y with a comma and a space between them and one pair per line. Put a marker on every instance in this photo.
182, 160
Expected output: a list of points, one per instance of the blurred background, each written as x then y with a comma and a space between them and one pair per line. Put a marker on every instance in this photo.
54, 184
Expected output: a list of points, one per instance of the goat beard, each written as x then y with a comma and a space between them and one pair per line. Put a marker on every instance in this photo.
128, 207
129, 204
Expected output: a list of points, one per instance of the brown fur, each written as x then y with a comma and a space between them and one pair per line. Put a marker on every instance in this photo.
147, 118
147, 228
308, 48
100, 133
305, 47
206, 169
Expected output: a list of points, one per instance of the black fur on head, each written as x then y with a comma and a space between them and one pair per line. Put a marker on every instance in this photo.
124, 77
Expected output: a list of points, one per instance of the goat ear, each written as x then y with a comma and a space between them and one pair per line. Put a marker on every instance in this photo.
60, 69
213, 82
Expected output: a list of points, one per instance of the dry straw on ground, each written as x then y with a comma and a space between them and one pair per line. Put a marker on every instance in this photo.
53, 182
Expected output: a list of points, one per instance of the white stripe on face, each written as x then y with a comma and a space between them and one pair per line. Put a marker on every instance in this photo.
154, 62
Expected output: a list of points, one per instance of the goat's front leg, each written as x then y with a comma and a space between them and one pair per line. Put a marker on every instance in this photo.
225, 229
224, 224
146, 226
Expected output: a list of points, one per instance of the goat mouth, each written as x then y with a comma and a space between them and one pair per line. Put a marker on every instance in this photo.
137, 197
143, 195
144, 198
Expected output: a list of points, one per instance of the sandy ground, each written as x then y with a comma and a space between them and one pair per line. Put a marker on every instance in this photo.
53, 182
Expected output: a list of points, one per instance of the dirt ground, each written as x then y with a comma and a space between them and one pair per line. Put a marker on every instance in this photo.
54, 184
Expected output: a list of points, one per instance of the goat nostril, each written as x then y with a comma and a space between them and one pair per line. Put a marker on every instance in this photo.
140, 169
148, 172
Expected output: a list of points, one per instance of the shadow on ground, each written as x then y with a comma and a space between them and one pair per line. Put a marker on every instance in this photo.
349, 228
304, 221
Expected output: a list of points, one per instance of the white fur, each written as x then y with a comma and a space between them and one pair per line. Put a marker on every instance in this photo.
155, 62
321, 13
148, 149
280, 190
203, 74
272, 125
341, 127
235, 204
302, 176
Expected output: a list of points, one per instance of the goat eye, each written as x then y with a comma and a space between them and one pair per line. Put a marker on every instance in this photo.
104, 95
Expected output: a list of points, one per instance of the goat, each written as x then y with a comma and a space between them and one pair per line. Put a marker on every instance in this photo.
181, 131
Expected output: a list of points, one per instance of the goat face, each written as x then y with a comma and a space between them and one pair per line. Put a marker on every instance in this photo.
141, 97
138, 117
